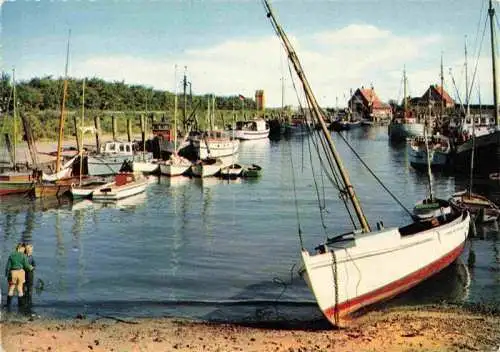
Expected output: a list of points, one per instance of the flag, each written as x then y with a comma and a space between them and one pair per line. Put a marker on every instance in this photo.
241, 97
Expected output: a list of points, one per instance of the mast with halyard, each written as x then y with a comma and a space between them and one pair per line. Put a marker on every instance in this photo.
348, 273
318, 114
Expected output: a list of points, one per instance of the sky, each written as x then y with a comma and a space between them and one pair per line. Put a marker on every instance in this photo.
228, 47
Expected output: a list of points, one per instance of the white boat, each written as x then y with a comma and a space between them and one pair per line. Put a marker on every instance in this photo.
112, 156
231, 171
147, 167
125, 185
438, 149
350, 271
175, 166
432, 207
214, 144
250, 130
86, 189
207, 167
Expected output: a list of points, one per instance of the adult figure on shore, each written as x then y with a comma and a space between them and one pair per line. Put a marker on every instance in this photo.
30, 277
15, 273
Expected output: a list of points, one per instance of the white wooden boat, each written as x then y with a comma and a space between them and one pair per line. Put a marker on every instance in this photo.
214, 144
125, 185
86, 189
231, 171
175, 166
356, 269
251, 130
207, 167
147, 166
431, 208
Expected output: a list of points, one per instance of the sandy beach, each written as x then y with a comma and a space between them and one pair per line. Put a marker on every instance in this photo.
397, 329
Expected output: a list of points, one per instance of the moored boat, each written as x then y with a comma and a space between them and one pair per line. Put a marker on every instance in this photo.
253, 170
481, 208
206, 167
175, 166
437, 154
16, 183
126, 184
231, 171
250, 130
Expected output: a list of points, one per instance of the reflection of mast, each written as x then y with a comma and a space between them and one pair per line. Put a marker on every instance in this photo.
60, 251
29, 224
76, 229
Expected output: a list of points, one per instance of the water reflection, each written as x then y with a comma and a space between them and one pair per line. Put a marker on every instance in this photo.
129, 203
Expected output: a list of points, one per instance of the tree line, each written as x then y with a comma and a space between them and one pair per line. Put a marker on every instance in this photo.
45, 93
40, 98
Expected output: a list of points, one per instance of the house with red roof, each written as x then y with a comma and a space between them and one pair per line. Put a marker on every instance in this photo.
365, 103
435, 94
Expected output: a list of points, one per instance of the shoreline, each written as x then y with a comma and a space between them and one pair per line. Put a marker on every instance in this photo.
428, 328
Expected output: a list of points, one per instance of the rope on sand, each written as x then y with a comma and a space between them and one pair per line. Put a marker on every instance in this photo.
115, 318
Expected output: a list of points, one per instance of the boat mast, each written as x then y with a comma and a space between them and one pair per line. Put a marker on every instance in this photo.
61, 118
82, 124
466, 80
405, 106
427, 153
319, 116
491, 13
14, 111
175, 109
441, 112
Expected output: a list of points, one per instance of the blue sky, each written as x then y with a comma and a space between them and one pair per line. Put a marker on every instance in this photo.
229, 46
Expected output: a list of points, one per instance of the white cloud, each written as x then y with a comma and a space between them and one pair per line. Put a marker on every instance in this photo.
334, 62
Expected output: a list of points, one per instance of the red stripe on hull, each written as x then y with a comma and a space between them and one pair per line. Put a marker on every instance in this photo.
393, 288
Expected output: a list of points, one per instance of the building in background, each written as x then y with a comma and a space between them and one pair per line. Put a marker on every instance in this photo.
260, 100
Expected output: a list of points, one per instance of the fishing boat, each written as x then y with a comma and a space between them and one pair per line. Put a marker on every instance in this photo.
112, 156
251, 130
207, 167
175, 166
214, 144
486, 144
126, 184
250, 171
14, 181
481, 208
85, 189
438, 152
356, 269
231, 171
404, 125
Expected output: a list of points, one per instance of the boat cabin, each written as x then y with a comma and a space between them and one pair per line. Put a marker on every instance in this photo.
121, 148
255, 125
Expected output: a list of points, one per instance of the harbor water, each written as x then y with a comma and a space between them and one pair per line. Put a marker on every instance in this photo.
229, 250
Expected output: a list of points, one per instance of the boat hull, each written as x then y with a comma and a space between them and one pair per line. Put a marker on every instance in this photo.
119, 192
174, 169
379, 265
145, 166
217, 148
418, 158
251, 135
486, 155
206, 170
398, 132
102, 166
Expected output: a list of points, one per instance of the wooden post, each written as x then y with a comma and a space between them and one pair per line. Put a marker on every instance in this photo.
143, 129
97, 125
113, 126
77, 135
129, 129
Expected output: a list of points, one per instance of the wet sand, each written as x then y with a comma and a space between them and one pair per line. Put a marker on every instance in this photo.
397, 329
